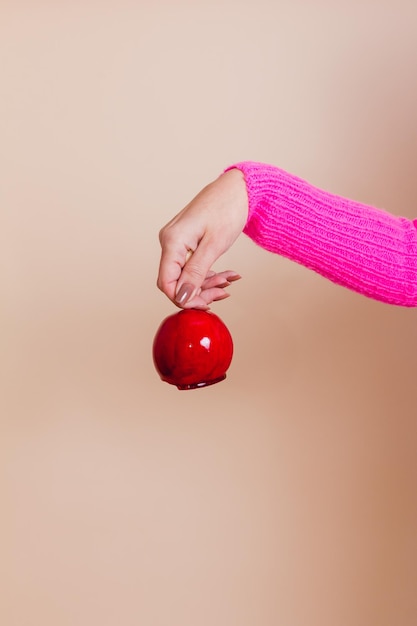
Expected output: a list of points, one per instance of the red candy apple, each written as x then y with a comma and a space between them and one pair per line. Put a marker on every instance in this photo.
192, 348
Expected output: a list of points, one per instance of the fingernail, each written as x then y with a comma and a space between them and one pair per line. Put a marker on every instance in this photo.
184, 293
234, 277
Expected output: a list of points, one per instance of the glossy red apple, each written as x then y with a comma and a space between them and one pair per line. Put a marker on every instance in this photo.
192, 349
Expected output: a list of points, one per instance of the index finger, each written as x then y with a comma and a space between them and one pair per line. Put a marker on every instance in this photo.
173, 259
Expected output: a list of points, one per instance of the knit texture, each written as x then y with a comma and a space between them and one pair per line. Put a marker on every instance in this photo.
360, 247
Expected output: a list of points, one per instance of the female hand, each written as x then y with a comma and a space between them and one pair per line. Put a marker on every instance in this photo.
195, 238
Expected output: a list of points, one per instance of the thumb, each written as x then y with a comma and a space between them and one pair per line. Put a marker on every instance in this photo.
194, 272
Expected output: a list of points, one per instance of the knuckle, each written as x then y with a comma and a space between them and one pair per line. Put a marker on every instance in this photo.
167, 236
161, 235
162, 285
196, 271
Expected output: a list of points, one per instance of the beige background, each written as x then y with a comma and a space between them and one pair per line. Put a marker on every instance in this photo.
286, 494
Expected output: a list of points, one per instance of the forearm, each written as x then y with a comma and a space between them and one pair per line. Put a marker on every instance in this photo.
360, 247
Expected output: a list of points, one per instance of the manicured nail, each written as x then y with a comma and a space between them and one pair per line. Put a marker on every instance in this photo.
234, 277
184, 293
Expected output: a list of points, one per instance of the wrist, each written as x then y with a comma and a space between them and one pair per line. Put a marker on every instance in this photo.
235, 180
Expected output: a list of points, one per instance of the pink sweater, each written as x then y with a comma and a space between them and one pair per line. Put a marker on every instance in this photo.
358, 246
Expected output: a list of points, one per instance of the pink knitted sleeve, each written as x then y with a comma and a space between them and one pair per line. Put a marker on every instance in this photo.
358, 246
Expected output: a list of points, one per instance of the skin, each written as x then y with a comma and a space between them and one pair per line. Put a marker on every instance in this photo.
196, 237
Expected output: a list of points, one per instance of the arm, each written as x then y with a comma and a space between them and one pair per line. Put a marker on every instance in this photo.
357, 246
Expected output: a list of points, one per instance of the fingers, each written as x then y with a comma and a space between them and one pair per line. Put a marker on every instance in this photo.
173, 259
212, 289
184, 279
195, 271
220, 279
205, 298
178, 238
208, 225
